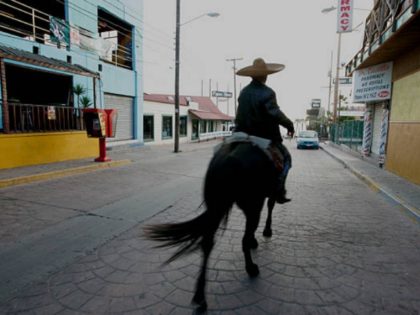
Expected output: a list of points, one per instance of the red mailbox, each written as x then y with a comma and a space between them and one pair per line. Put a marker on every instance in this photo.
95, 122
112, 116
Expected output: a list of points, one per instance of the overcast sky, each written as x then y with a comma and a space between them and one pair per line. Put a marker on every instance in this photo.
294, 33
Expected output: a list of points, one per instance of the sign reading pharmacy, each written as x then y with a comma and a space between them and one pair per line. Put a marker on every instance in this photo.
372, 83
344, 16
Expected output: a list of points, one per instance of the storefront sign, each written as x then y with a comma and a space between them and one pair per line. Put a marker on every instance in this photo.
344, 16
373, 83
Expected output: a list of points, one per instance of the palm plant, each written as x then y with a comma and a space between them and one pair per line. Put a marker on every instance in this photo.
85, 101
79, 90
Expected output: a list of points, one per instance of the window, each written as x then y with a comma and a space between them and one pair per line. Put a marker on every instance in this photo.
116, 40
203, 126
183, 126
211, 126
166, 127
30, 19
148, 128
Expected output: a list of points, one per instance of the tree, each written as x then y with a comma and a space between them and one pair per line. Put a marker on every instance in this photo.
79, 90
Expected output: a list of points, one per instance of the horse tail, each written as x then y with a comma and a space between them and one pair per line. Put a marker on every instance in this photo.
218, 197
188, 235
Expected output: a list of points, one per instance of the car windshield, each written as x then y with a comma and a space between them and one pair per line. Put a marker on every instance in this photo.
307, 134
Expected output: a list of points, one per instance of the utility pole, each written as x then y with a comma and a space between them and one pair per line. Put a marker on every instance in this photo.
337, 79
178, 25
234, 80
329, 86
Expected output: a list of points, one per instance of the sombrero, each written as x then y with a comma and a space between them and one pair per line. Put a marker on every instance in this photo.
260, 68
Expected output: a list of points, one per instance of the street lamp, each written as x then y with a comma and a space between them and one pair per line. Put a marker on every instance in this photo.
337, 78
177, 40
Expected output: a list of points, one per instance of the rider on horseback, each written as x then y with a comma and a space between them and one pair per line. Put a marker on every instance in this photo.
259, 115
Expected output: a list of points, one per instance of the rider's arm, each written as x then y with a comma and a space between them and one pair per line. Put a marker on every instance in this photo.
274, 111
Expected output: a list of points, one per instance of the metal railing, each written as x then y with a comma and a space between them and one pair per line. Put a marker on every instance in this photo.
25, 21
22, 20
26, 118
383, 19
348, 133
213, 135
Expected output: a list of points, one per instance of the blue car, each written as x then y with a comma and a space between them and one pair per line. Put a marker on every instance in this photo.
307, 139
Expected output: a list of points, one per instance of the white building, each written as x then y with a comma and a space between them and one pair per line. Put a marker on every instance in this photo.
200, 119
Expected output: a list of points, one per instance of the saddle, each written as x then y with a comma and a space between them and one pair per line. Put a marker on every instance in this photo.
265, 145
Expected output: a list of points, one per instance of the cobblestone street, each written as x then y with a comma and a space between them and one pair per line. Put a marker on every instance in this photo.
337, 248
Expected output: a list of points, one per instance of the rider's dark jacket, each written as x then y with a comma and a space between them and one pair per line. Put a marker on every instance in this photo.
258, 113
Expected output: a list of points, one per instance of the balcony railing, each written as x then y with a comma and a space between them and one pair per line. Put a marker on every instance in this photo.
385, 18
26, 118
25, 21
213, 135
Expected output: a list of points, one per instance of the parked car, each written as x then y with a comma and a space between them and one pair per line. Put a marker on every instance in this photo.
307, 139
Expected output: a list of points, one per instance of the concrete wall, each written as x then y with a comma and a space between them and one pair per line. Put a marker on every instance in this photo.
403, 149
41, 148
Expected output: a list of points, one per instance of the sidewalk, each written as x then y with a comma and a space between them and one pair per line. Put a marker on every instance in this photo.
399, 190
119, 155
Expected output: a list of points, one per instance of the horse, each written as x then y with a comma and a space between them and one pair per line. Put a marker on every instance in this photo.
240, 173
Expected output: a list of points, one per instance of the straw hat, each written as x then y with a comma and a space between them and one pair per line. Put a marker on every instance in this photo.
260, 68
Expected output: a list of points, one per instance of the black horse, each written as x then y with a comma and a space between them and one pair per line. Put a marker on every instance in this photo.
238, 173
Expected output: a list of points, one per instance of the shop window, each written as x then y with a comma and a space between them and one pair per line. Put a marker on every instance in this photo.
166, 127
203, 126
183, 126
211, 126
148, 128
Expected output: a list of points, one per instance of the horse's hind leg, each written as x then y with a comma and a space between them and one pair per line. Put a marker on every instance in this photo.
268, 232
199, 297
249, 242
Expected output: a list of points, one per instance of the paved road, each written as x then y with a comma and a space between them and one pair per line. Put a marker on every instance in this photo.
338, 248
46, 225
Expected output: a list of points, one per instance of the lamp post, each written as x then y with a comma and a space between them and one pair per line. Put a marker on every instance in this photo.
337, 73
177, 44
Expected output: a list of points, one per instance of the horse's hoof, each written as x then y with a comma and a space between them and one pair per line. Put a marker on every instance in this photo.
252, 270
253, 243
268, 233
201, 304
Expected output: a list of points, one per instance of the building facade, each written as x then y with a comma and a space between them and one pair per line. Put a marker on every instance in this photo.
391, 48
56, 58
200, 119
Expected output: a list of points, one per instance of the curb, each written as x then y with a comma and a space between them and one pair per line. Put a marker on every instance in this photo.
376, 187
60, 173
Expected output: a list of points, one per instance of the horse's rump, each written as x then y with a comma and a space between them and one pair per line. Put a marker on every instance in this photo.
239, 169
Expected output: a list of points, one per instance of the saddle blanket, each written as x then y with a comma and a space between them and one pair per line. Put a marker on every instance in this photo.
264, 144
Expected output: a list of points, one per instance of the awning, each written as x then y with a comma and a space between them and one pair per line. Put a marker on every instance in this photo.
42, 61
209, 115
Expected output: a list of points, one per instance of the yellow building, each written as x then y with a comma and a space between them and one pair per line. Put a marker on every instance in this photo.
38, 134
392, 34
